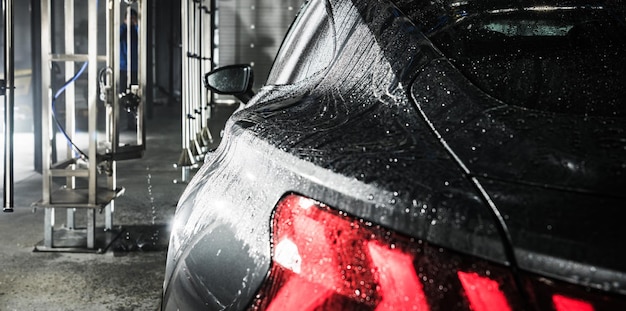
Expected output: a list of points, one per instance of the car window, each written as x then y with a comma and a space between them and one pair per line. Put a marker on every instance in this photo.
567, 59
308, 47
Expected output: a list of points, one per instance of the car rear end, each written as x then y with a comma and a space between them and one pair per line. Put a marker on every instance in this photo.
346, 193
325, 259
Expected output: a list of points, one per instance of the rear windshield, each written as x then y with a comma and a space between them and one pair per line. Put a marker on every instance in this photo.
565, 59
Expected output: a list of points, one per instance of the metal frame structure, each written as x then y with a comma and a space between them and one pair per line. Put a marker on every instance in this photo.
89, 178
248, 31
8, 90
197, 49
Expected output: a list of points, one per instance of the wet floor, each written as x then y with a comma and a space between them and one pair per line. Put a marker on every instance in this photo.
128, 275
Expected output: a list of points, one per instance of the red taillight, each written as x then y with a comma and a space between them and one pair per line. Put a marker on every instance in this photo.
563, 303
326, 260
483, 293
397, 282
556, 295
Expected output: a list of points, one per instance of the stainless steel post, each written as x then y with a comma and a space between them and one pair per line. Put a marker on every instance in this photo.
206, 139
92, 108
70, 100
9, 101
189, 83
91, 228
129, 48
111, 81
187, 86
48, 232
186, 160
197, 81
193, 104
114, 62
153, 77
46, 122
110, 208
142, 69
112, 109
185, 70
207, 47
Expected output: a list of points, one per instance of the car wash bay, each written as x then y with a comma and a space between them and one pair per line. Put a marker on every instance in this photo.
79, 252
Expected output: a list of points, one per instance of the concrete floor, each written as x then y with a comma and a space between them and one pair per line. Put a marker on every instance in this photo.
129, 275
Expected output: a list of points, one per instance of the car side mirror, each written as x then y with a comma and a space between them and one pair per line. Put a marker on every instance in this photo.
231, 80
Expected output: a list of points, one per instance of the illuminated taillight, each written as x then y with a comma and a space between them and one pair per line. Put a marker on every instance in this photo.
324, 259
564, 303
483, 293
556, 295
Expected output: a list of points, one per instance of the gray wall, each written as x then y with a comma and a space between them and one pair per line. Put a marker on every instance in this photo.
251, 31
167, 53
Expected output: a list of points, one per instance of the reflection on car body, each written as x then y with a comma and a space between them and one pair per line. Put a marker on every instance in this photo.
409, 155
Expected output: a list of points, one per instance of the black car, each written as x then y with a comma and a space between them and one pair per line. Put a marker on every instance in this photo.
417, 155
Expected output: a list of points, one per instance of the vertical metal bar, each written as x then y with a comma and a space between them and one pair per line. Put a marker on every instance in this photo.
191, 80
92, 108
171, 48
70, 93
9, 101
202, 49
35, 25
46, 92
46, 122
108, 216
129, 47
193, 100
207, 52
110, 208
185, 70
115, 64
48, 230
151, 59
214, 34
202, 105
91, 228
143, 72
70, 99
204, 134
109, 79
196, 80
202, 70
186, 159
112, 114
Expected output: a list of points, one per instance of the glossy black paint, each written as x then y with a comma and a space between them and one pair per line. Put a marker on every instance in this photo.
556, 178
383, 127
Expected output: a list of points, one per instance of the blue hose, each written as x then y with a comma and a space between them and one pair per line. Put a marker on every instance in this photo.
56, 96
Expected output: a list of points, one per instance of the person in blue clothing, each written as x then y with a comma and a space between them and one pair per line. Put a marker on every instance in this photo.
124, 46
129, 23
